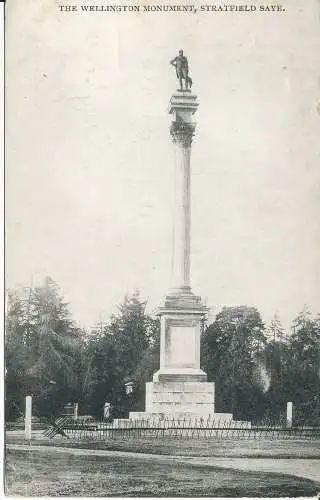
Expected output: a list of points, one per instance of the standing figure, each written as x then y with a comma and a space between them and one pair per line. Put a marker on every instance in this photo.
181, 64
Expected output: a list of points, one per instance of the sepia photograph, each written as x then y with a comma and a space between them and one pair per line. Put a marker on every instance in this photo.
162, 235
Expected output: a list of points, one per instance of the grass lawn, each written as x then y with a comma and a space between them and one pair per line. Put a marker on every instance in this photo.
43, 473
202, 447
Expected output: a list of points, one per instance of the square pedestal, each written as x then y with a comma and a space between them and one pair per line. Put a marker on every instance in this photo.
184, 398
180, 341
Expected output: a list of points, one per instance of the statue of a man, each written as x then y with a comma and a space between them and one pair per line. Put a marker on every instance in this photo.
181, 64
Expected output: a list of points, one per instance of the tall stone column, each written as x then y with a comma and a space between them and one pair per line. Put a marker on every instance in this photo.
180, 386
182, 137
182, 106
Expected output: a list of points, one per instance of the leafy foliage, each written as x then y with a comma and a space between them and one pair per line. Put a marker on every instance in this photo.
42, 346
303, 370
231, 350
256, 369
123, 350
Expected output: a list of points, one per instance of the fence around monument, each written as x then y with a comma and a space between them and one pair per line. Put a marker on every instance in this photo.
185, 428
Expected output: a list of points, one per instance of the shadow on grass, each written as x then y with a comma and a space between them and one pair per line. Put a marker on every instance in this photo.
30, 473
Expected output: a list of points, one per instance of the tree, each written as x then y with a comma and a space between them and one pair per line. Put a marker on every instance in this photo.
120, 351
42, 346
303, 371
276, 359
232, 348
275, 331
100, 383
293, 364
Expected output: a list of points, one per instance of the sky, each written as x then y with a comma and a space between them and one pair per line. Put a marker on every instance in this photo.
89, 159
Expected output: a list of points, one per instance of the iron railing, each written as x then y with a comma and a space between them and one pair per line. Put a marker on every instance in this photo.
182, 428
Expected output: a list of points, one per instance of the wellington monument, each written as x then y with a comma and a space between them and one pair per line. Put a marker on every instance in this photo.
179, 388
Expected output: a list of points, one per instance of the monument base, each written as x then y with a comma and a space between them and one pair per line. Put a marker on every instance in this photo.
186, 404
181, 403
180, 397
192, 419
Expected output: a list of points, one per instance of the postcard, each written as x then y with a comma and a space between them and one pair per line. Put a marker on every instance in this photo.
162, 200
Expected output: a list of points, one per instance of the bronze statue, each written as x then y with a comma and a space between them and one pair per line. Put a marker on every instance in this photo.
181, 64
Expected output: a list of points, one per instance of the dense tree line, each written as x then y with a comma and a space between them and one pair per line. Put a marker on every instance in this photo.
256, 368
44, 350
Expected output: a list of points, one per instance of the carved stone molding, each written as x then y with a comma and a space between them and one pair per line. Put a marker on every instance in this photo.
182, 133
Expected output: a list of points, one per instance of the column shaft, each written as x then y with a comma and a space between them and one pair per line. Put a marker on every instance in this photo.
181, 231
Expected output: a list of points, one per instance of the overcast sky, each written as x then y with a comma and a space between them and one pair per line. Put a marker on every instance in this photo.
90, 162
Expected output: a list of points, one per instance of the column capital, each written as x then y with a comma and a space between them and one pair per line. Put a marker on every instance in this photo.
182, 133
182, 106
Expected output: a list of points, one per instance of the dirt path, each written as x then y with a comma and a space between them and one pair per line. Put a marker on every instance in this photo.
301, 467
